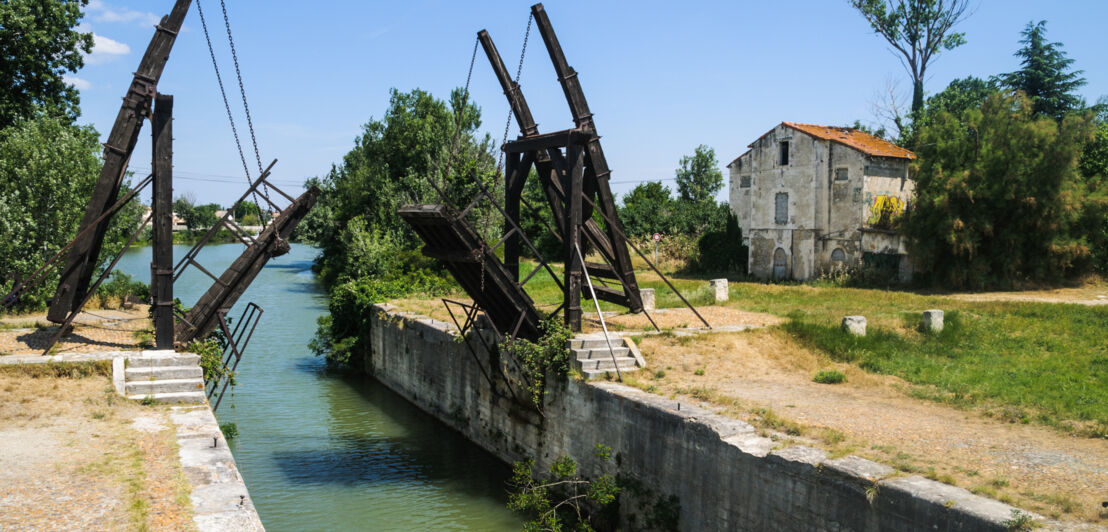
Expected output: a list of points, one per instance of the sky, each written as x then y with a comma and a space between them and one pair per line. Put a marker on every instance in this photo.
661, 77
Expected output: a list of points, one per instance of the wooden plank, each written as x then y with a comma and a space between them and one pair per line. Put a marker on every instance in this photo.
161, 274
487, 282
546, 141
84, 255
604, 293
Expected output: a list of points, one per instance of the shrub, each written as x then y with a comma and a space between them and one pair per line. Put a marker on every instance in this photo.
723, 251
829, 376
546, 358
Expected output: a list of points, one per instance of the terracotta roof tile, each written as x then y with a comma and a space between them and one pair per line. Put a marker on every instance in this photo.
854, 138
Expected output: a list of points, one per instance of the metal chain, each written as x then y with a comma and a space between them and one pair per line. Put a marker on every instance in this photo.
504, 140
519, 71
226, 103
246, 108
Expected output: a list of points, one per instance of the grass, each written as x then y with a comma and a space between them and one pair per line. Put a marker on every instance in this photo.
1039, 362
71, 370
1024, 362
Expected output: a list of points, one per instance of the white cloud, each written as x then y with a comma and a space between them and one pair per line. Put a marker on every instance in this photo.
104, 13
80, 84
105, 49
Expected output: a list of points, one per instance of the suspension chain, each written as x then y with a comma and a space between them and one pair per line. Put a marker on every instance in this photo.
246, 108
226, 104
519, 71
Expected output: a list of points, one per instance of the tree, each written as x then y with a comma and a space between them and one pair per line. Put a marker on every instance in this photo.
647, 209
999, 196
1043, 74
699, 178
246, 208
919, 30
48, 169
183, 207
202, 216
39, 43
392, 164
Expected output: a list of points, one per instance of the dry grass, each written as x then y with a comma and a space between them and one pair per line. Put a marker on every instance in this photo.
66, 436
765, 378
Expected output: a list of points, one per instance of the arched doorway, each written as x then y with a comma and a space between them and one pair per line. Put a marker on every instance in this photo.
838, 259
780, 264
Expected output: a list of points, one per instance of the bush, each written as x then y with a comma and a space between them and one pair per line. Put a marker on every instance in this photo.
723, 251
999, 197
829, 376
121, 285
342, 337
546, 358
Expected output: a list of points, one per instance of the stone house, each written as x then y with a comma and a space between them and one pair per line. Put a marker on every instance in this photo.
813, 198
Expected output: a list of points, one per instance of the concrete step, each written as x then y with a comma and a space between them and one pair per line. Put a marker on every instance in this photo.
197, 397
164, 373
164, 360
591, 374
144, 388
607, 363
601, 352
592, 343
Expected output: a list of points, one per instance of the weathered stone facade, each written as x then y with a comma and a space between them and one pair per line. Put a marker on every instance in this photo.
805, 196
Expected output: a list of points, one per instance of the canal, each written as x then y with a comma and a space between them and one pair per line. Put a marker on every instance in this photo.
321, 450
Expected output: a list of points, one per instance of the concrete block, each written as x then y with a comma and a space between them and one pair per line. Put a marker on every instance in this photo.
719, 289
932, 321
855, 325
647, 298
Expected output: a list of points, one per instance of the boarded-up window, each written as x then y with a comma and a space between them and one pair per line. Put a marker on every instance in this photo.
780, 264
877, 170
744, 181
842, 174
783, 153
781, 208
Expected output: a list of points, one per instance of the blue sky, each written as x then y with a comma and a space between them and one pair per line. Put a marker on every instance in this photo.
660, 77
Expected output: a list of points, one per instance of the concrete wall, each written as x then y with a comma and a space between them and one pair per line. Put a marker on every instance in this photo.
682, 467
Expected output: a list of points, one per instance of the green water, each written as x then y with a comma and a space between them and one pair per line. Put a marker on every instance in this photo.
325, 451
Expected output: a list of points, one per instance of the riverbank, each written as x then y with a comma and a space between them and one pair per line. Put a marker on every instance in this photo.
673, 452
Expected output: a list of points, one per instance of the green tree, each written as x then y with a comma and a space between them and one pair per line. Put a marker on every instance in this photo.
390, 166
48, 169
647, 209
699, 177
918, 30
246, 208
999, 196
202, 216
39, 43
1045, 74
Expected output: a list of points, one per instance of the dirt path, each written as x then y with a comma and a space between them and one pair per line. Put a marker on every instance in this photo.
1091, 295
74, 456
1033, 467
95, 330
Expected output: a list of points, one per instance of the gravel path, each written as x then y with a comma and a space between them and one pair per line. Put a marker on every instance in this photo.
1031, 466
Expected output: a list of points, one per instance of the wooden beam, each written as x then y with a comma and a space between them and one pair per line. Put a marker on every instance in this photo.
161, 267
84, 255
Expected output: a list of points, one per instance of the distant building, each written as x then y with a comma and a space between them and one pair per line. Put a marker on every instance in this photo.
813, 198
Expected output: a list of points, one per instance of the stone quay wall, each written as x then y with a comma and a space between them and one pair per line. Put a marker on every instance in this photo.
681, 467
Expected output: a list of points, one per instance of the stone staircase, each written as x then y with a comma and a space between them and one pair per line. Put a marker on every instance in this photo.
166, 377
592, 357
